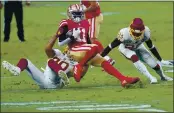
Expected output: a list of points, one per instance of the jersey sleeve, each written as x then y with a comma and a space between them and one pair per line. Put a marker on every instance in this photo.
57, 52
120, 35
61, 27
147, 33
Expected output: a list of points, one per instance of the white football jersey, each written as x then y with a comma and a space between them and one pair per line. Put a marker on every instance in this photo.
63, 58
129, 42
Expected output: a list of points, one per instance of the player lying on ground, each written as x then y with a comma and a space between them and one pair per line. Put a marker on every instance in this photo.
130, 41
48, 78
74, 33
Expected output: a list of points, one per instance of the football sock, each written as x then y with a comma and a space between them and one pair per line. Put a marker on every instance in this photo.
142, 68
112, 71
89, 54
159, 70
22, 64
100, 46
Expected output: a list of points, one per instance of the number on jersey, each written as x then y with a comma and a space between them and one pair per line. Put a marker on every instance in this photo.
63, 65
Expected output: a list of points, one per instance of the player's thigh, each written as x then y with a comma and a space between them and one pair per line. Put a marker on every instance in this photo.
126, 52
146, 56
51, 79
32, 69
77, 53
98, 21
97, 60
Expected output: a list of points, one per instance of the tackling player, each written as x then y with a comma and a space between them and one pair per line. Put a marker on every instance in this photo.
50, 78
130, 41
74, 33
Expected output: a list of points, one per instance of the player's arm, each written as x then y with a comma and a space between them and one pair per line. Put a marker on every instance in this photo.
153, 49
93, 6
49, 47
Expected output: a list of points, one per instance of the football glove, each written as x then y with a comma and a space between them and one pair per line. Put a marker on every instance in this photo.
166, 63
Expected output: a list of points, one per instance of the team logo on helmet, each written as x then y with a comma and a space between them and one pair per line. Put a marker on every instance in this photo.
137, 28
75, 12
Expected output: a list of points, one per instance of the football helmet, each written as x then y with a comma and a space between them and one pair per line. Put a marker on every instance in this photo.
137, 28
75, 12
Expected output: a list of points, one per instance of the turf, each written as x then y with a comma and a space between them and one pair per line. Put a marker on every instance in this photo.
41, 21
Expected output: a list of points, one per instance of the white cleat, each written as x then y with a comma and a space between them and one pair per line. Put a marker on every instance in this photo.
11, 68
64, 77
153, 80
168, 78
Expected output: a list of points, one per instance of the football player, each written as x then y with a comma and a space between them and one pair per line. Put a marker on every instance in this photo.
94, 16
74, 32
130, 41
50, 78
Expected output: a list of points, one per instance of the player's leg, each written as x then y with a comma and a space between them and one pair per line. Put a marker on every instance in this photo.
60, 67
131, 55
94, 30
53, 80
25, 64
98, 60
82, 54
149, 59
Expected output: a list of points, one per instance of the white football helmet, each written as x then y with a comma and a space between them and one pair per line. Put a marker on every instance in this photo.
75, 12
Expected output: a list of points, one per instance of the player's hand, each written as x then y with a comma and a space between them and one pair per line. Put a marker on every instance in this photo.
84, 8
76, 33
165, 62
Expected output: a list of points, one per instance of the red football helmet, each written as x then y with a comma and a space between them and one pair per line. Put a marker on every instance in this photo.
137, 28
75, 12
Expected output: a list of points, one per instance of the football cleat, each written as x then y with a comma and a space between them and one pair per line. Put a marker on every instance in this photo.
167, 78
129, 80
11, 68
64, 77
153, 80
77, 72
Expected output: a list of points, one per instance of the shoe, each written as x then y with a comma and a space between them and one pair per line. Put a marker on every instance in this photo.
166, 78
153, 80
13, 69
22, 40
64, 77
77, 72
6, 40
129, 80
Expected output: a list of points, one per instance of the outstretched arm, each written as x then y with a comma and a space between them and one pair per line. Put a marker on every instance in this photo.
93, 6
156, 53
153, 49
111, 46
49, 47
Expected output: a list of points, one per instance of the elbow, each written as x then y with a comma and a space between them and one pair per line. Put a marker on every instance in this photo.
47, 49
60, 44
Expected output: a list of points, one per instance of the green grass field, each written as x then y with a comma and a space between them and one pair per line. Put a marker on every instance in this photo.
97, 91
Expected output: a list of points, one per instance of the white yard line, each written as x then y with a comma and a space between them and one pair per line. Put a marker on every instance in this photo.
39, 103
83, 106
